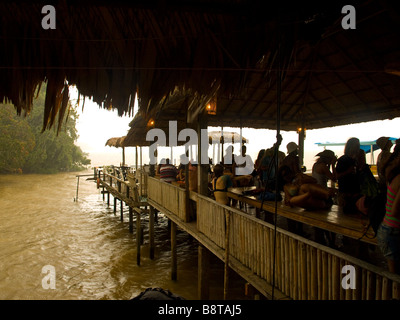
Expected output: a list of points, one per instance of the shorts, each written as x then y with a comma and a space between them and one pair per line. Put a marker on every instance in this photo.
389, 242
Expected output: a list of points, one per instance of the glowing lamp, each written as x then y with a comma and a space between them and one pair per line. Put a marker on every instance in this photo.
211, 106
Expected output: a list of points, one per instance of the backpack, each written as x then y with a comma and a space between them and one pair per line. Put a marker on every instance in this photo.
368, 184
376, 209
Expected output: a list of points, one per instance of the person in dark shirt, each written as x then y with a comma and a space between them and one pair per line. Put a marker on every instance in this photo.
348, 167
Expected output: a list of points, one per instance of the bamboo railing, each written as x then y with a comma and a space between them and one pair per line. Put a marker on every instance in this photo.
171, 197
303, 269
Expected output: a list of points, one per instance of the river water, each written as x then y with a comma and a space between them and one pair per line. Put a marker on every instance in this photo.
90, 250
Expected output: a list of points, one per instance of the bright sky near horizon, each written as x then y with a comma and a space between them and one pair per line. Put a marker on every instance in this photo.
96, 125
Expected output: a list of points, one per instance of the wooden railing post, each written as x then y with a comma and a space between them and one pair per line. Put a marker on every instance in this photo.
138, 237
174, 262
151, 231
226, 269
122, 210
130, 219
203, 273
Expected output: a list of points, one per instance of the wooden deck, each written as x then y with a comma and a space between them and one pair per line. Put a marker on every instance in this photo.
279, 264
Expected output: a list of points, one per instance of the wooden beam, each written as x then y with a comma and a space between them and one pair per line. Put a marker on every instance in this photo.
302, 137
227, 245
202, 168
174, 258
122, 210
203, 273
130, 220
151, 232
138, 237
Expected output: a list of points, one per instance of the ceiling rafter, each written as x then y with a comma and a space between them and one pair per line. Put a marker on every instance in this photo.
334, 97
355, 64
342, 81
287, 83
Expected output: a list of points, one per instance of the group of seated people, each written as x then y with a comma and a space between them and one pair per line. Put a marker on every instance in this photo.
350, 173
356, 191
169, 173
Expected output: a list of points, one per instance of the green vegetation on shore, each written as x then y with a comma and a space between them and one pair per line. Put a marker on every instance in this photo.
24, 148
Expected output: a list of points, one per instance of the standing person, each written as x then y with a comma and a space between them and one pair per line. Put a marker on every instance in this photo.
389, 230
220, 185
192, 177
228, 160
347, 172
355, 183
242, 168
267, 166
181, 169
385, 145
292, 160
257, 163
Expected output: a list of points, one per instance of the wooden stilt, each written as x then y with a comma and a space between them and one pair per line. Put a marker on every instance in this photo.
130, 220
174, 262
203, 273
188, 207
115, 205
108, 199
122, 210
151, 231
138, 238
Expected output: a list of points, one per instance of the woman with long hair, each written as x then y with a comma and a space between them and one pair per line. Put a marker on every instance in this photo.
348, 168
389, 231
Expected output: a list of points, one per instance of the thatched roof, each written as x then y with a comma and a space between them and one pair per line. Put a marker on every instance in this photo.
139, 127
344, 77
225, 137
228, 48
117, 142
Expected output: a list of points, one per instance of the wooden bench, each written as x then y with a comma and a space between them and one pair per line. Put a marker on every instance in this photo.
353, 226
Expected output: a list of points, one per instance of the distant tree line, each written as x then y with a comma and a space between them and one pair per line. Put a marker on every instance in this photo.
24, 148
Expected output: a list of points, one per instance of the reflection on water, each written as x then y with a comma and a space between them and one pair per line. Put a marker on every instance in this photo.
92, 251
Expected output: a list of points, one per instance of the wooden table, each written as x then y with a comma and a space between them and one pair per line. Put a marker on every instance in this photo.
333, 220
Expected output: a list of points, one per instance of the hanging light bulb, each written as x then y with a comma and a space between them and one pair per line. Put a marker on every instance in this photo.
211, 106
150, 123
